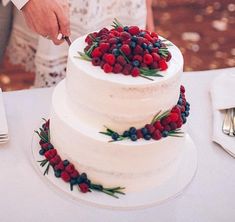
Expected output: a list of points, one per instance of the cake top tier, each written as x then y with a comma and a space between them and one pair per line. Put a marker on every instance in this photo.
126, 55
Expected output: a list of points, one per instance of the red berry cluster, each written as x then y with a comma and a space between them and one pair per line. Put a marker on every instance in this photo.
127, 50
63, 169
163, 125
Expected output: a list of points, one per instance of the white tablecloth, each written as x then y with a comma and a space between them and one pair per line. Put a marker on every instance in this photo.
24, 197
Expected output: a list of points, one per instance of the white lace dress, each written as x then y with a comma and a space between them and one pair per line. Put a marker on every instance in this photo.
48, 61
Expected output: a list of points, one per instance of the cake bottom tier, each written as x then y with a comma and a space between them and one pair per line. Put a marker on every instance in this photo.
134, 165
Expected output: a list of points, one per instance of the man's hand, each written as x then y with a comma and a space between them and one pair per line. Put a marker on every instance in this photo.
48, 18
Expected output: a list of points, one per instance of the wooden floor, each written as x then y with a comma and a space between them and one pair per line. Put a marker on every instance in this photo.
201, 28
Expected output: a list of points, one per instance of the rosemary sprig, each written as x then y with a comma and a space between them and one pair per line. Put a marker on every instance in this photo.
116, 24
110, 191
83, 56
125, 57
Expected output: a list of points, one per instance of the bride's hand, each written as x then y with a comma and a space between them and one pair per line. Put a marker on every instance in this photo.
48, 18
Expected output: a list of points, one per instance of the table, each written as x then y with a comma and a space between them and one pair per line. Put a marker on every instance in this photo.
24, 197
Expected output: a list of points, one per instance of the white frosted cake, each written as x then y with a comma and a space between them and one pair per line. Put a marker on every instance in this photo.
88, 99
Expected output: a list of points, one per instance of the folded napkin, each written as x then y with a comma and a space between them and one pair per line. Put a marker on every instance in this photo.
3, 120
223, 97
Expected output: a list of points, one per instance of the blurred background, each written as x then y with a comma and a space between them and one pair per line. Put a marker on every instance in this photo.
202, 29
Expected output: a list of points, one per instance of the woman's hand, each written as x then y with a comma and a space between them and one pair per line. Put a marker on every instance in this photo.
150, 20
48, 18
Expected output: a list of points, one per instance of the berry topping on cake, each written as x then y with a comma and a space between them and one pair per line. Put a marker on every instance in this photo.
143, 52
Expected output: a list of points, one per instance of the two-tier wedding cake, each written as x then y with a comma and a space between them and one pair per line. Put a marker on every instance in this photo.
118, 114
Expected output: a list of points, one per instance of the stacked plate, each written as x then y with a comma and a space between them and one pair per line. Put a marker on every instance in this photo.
3, 122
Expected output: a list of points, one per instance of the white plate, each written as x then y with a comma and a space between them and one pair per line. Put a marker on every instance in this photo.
148, 198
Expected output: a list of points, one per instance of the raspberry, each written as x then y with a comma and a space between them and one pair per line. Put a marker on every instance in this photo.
157, 135
148, 59
107, 68
169, 56
74, 174
140, 40
113, 40
143, 65
96, 52
121, 60
88, 40
155, 65
46, 146
135, 72
154, 35
167, 128
110, 59
173, 117
173, 126
138, 50
65, 176
176, 109
55, 160
84, 188
158, 125
59, 166
104, 47
96, 61
138, 58
139, 134
119, 29
134, 30
70, 168
126, 49
103, 31
50, 154
117, 68
155, 50
150, 128
179, 123
125, 35
182, 109
182, 89
148, 37
128, 67
165, 121
156, 57
162, 64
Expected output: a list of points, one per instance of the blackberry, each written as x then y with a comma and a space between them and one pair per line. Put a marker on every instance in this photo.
147, 137
134, 38
132, 130
116, 52
165, 133
136, 63
115, 136
57, 173
66, 162
133, 44
41, 152
144, 131
133, 137
144, 46
186, 113
126, 134
126, 28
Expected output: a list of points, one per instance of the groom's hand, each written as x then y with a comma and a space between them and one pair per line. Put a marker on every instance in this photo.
48, 18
